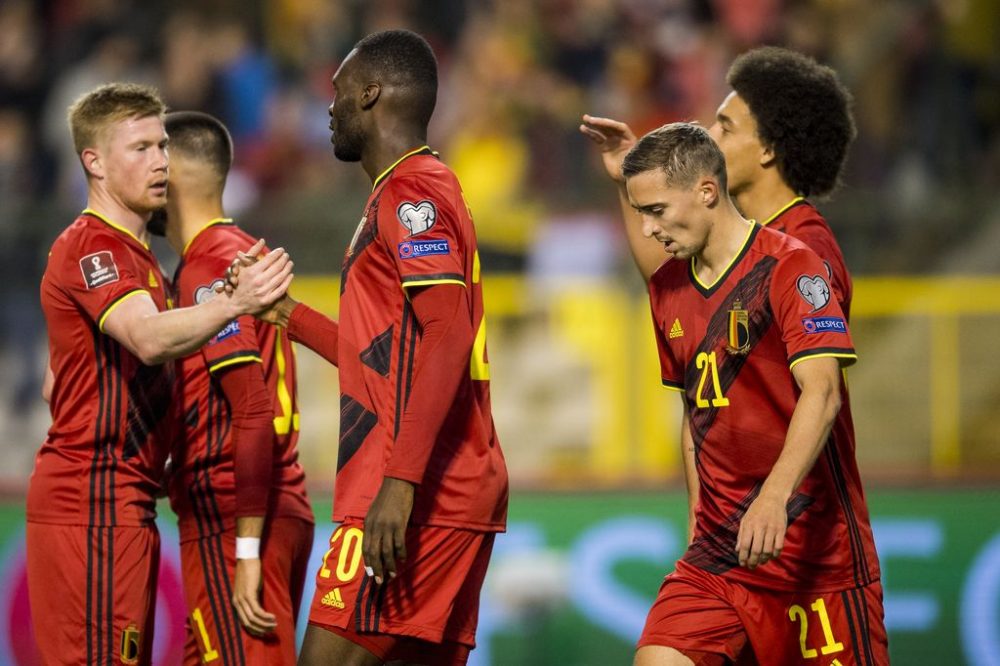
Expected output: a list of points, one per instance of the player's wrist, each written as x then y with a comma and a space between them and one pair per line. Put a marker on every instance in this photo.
247, 548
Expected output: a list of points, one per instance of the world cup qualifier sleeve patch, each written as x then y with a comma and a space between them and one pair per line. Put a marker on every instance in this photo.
99, 269
814, 290
417, 217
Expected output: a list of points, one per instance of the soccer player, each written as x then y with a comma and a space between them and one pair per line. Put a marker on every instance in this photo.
785, 130
421, 484
92, 545
237, 488
748, 330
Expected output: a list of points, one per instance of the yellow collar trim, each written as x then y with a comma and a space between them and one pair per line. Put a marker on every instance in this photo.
211, 223
396, 163
782, 210
729, 266
91, 211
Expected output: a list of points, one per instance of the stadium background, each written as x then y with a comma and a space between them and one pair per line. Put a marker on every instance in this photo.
597, 515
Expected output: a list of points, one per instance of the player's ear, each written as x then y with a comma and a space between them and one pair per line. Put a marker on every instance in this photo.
767, 156
708, 192
92, 164
370, 95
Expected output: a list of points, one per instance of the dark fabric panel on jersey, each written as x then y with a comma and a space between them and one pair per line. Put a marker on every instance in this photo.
752, 292
149, 397
378, 355
191, 418
859, 561
355, 424
716, 552
365, 238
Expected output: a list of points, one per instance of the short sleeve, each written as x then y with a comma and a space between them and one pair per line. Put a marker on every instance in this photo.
99, 273
671, 371
422, 231
237, 342
806, 309
819, 239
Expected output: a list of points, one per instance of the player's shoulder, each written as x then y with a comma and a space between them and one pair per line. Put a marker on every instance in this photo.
223, 238
804, 220
671, 274
424, 173
86, 235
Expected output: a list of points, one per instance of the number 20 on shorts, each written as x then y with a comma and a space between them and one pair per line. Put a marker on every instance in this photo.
350, 554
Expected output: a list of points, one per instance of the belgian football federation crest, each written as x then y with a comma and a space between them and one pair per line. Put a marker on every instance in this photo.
739, 330
131, 644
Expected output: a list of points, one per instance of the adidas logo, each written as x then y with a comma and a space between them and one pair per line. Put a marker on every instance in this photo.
333, 598
676, 331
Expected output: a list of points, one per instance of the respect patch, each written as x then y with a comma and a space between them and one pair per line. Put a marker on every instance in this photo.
423, 248
824, 325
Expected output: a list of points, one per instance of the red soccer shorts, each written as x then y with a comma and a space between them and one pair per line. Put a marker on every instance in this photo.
92, 592
434, 597
213, 627
702, 612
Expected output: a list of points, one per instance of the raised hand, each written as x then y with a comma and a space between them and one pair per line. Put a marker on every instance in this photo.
614, 138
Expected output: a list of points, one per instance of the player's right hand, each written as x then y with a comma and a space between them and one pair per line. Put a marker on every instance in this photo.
614, 138
246, 594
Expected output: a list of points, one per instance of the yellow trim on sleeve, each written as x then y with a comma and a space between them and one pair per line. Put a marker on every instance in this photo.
424, 283
249, 358
118, 227
679, 389
824, 355
396, 163
211, 223
110, 308
781, 210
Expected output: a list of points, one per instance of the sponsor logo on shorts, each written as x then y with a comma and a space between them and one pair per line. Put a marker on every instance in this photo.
99, 269
423, 248
824, 325
131, 644
333, 598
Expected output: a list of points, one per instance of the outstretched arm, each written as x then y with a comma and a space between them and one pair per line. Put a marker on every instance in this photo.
615, 139
154, 336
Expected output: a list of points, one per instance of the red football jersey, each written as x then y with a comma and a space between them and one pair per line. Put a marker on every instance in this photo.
102, 461
203, 491
416, 230
800, 219
729, 347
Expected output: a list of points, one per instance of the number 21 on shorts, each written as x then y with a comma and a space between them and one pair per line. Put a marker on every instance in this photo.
798, 614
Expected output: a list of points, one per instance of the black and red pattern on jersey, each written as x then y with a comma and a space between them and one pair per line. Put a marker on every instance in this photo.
416, 231
102, 461
740, 401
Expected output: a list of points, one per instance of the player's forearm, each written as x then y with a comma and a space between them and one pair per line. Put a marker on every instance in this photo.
647, 253
440, 366
250, 527
252, 435
161, 336
808, 431
690, 471
315, 330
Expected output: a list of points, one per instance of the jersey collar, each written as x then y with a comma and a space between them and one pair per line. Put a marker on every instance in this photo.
211, 223
781, 211
117, 227
422, 150
707, 290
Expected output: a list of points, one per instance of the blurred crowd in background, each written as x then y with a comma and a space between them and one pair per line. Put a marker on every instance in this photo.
516, 75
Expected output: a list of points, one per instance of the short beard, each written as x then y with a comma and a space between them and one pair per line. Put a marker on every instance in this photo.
157, 224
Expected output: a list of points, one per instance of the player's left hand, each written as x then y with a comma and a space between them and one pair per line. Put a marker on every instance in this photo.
384, 543
246, 598
762, 532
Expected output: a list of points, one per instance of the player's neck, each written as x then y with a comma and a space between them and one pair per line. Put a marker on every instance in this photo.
388, 146
114, 210
187, 218
761, 200
725, 240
